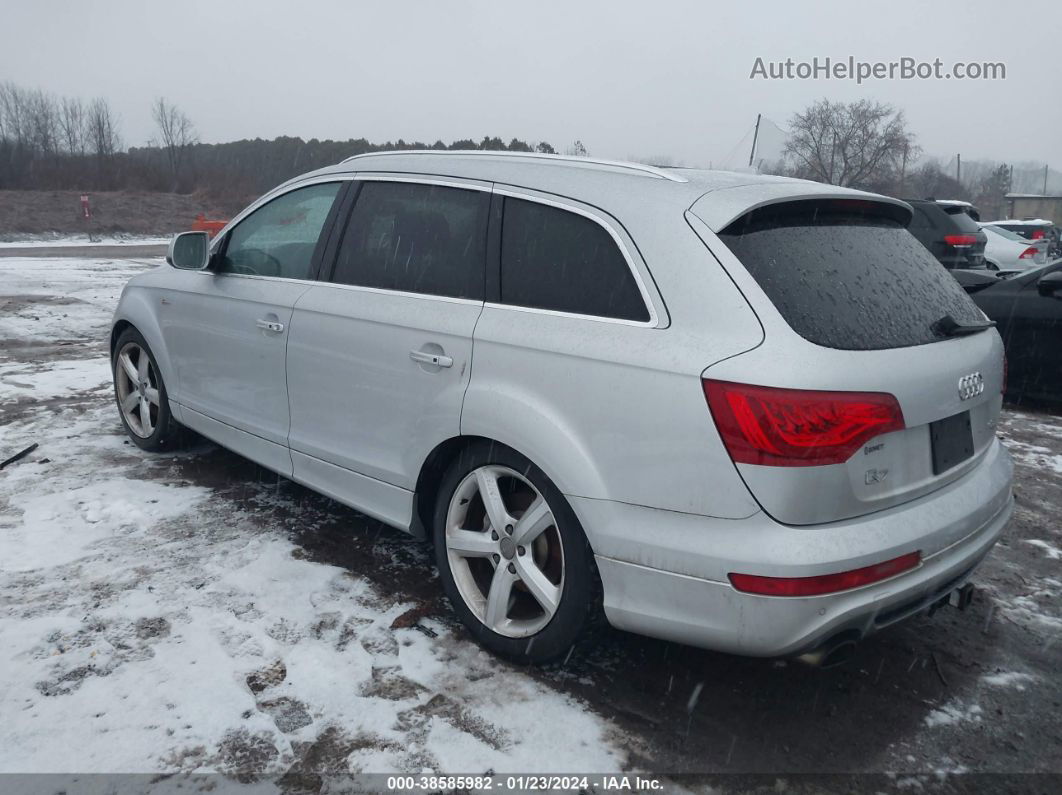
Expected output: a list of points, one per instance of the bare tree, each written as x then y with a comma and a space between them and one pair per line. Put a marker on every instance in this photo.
72, 125
43, 121
13, 111
176, 135
577, 149
102, 126
857, 143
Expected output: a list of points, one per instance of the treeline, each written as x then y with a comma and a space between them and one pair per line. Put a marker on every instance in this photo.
250, 167
48, 142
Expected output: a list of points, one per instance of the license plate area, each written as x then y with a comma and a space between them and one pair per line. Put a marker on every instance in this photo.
951, 440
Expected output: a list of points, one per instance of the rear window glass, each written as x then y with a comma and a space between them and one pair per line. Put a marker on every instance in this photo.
848, 279
960, 218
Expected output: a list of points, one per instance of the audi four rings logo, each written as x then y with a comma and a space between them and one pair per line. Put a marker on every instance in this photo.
971, 385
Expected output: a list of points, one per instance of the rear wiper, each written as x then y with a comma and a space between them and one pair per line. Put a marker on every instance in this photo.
948, 326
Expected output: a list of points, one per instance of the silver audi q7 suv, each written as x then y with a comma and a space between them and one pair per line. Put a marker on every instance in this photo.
747, 413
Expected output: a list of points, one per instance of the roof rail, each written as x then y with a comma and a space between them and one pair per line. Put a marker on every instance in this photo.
653, 171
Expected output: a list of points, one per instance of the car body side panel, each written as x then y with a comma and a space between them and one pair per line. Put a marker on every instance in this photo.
231, 369
139, 305
611, 410
358, 400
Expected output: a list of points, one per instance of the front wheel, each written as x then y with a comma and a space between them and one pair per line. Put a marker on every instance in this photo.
141, 394
512, 557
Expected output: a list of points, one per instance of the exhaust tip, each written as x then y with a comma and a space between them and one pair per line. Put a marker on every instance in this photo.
836, 651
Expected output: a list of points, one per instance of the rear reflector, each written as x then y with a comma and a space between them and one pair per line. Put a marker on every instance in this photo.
1029, 253
824, 583
960, 240
797, 427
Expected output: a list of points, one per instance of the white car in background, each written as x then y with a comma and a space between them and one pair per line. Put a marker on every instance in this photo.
1006, 250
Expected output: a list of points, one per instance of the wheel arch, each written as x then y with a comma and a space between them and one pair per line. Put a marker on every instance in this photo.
135, 310
439, 460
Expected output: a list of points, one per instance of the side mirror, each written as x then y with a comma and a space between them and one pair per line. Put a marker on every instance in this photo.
1051, 284
189, 251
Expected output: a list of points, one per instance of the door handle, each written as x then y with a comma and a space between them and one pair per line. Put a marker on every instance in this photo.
270, 325
437, 359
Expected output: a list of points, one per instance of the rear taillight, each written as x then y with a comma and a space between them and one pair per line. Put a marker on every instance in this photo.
824, 583
1029, 253
960, 240
1038, 234
797, 427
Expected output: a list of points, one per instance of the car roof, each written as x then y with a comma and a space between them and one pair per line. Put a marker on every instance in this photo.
617, 186
1023, 222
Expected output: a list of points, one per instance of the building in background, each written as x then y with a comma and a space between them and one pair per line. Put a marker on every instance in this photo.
1032, 205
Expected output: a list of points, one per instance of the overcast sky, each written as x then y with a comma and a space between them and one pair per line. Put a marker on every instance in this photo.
645, 79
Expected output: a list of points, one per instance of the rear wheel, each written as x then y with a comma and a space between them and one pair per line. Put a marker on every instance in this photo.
512, 557
141, 394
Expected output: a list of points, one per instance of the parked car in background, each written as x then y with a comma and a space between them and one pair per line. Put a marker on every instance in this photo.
1006, 250
671, 396
950, 234
1027, 309
966, 207
1035, 229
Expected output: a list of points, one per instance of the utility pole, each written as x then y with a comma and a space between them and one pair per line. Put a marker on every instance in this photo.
958, 169
1045, 179
755, 135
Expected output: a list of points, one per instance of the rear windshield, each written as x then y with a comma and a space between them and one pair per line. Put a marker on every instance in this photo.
960, 218
847, 278
1004, 233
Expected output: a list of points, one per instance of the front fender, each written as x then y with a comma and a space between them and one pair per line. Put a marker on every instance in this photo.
138, 307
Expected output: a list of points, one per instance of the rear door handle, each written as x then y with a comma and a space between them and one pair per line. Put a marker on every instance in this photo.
270, 325
437, 359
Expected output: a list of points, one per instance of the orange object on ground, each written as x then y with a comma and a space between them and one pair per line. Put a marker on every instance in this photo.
203, 224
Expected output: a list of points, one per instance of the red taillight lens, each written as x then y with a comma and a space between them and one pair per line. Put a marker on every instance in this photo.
960, 240
824, 583
1029, 253
1038, 234
797, 427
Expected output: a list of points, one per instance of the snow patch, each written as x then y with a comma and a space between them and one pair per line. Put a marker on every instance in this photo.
1052, 552
952, 714
1008, 679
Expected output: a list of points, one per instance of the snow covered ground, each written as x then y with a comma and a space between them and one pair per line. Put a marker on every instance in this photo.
149, 624
61, 241
191, 612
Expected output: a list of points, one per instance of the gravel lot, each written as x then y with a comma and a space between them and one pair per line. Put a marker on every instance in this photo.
191, 611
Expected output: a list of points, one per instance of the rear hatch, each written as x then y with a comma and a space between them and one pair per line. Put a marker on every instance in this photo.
963, 244
878, 381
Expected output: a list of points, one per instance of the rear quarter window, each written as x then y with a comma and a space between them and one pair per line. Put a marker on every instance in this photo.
846, 278
562, 261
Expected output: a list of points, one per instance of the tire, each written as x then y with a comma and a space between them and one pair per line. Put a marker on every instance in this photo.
555, 567
162, 431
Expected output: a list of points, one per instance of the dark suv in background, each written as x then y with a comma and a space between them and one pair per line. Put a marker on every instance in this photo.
954, 238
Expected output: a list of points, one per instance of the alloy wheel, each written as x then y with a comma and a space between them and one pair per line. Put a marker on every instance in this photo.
504, 551
137, 385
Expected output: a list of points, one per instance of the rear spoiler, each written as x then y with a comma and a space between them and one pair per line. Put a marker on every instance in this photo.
720, 208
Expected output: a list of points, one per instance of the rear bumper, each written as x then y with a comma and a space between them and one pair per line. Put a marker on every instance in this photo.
665, 573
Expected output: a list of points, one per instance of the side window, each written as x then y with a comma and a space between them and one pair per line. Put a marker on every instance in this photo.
555, 259
278, 239
416, 238
919, 220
